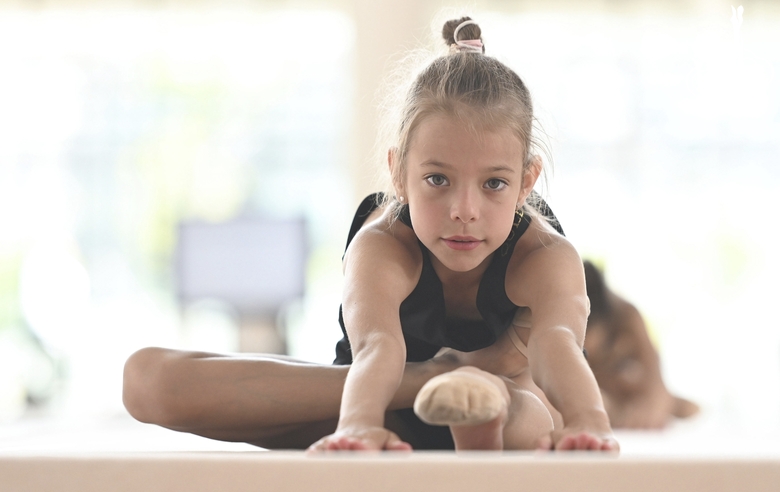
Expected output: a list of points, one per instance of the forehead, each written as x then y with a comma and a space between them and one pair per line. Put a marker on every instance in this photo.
452, 139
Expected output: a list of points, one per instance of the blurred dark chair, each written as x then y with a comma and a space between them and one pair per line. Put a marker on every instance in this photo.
255, 265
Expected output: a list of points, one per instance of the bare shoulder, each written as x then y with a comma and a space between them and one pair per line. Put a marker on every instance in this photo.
383, 257
544, 264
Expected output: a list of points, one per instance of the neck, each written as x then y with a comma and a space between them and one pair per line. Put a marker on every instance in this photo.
451, 278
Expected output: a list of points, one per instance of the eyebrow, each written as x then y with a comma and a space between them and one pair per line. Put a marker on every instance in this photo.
444, 165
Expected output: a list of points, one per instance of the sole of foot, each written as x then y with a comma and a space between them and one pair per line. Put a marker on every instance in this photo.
459, 398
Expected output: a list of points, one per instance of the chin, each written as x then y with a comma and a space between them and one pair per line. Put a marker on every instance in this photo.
462, 264
460, 268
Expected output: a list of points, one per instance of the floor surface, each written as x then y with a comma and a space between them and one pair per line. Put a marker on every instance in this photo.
694, 438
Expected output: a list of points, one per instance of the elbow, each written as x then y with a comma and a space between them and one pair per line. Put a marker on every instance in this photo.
147, 380
554, 338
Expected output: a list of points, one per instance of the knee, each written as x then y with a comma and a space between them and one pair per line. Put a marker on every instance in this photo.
146, 383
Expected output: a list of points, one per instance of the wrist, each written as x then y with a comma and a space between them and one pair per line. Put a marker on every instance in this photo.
355, 427
360, 420
595, 418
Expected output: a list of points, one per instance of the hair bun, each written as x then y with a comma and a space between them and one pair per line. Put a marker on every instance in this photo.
468, 32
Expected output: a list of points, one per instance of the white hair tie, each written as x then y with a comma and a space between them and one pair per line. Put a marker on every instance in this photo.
466, 45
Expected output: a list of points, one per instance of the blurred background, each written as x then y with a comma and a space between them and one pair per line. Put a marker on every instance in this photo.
135, 136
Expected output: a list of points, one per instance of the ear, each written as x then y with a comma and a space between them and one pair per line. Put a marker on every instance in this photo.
393, 165
531, 174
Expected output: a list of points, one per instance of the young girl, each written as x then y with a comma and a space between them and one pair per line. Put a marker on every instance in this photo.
461, 301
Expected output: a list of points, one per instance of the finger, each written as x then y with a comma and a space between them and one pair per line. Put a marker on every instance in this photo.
587, 441
573, 442
314, 448
354, 444
394, 443
566, 443
321, 445
590, 442
324, 444
610, 445
398, 446
579, 442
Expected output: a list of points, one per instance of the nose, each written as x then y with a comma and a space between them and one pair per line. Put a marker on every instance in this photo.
465, 206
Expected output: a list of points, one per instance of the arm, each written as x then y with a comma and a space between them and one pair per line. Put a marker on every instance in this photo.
379, 274
553, 287
628, 370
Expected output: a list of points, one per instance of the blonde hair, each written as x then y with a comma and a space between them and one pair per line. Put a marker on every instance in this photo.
466, 84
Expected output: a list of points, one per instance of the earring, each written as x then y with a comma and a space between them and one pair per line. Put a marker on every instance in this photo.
401, 199
519, 213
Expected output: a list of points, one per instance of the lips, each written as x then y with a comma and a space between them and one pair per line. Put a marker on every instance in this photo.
462, 243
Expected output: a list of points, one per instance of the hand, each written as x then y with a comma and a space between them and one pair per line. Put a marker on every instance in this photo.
577, 438
361, 439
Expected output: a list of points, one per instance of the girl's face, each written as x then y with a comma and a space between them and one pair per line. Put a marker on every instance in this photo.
463, 188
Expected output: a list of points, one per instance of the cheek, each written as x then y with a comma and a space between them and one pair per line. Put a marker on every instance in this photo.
425, 215
430, 219
505, 220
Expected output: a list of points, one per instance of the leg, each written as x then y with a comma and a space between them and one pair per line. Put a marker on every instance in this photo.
486, 411
270, 401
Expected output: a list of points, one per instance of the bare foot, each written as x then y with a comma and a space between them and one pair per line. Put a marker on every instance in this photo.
472, 402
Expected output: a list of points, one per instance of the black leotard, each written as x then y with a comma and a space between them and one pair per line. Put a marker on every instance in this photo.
424, 322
